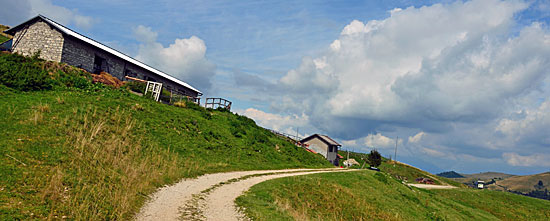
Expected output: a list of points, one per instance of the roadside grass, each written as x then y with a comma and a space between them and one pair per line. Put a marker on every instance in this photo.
400, 171
71, 149
370, 195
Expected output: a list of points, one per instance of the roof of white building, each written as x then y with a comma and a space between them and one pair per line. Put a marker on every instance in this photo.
324, 138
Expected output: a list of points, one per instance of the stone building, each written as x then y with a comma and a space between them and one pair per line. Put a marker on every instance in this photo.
59, 43
324, 145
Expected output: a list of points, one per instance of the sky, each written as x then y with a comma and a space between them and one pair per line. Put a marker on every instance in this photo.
457, 85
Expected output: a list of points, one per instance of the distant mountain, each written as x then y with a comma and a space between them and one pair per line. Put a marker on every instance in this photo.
450, 174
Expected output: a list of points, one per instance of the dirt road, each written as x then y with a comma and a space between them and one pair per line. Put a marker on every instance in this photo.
429, 186
211, 196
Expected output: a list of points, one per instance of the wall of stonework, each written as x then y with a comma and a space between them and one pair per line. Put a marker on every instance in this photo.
39, 36
80, 54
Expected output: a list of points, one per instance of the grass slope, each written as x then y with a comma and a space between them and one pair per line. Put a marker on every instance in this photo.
523, 184
400, 171
370, 195
485, 176
76, 150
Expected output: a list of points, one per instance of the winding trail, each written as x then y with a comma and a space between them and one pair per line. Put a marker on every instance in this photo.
211, 196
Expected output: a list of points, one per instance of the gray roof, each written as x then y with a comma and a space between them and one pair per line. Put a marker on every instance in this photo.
329, 140
103, 47
324, 138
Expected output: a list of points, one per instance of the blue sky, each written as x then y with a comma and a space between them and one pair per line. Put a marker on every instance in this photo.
464, 84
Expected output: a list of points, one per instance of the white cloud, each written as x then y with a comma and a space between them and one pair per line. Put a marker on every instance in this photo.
454, 71
145, 34
536, 160
351, 143
416, 138
421, 68
15, 12
184, 59
532, 126
380, 141
285, 124
434, 153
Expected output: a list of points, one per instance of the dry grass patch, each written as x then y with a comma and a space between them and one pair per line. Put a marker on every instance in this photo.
109, 170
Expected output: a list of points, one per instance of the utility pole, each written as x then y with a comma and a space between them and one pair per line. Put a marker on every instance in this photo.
297, 139
395, 154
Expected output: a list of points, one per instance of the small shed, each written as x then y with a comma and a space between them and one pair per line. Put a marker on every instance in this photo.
323, 145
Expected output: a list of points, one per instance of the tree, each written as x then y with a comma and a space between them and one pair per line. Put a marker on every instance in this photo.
374, 159
539, 185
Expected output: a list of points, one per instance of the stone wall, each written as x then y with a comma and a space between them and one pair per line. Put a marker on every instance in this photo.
39, 36
80, 54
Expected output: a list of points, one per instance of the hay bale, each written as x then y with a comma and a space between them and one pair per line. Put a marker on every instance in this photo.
107, 79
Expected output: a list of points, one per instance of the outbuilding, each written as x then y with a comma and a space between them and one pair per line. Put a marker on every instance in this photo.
323, 145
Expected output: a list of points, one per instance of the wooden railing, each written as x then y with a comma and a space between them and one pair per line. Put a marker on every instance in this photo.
215, 103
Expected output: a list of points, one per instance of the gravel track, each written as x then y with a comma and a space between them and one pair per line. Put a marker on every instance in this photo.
429, 186
211, 196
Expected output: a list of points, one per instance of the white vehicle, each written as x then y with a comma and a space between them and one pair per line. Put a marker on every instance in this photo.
480, 184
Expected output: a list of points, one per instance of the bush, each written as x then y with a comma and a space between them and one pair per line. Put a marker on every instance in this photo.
24, 73
33, 74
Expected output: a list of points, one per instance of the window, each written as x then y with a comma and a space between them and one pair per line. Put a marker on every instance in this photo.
130, 73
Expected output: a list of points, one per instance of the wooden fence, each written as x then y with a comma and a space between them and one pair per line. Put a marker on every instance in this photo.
215, 103
293, 138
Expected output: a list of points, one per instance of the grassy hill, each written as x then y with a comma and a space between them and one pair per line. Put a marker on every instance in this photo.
488, 177
72, 149
370, 195
400, 170
523, 184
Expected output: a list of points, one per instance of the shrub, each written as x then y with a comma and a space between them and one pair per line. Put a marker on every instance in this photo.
23, 73
136, 86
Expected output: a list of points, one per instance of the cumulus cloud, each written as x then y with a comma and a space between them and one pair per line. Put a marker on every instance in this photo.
424, 67
380, 141
464, 73
538, 160
286, 124
145, 34
434, 152
531, 126
184, 59
416, 138
15, 12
